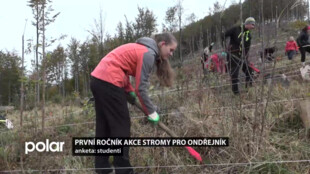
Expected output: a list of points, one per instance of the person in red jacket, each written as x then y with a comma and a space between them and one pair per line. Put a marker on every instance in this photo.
110, 86
291, 48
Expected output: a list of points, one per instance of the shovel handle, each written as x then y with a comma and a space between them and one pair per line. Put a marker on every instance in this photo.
194, 153
160, 124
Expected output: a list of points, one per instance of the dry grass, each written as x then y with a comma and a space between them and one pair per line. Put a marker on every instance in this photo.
203, 112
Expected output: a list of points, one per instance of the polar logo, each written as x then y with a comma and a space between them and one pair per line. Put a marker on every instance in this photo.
41, 146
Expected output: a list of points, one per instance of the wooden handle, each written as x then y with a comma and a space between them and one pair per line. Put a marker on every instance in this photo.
160, 124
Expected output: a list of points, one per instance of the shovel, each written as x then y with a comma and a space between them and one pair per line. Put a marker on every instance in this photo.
192, 151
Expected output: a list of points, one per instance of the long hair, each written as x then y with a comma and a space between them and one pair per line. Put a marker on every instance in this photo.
164, 70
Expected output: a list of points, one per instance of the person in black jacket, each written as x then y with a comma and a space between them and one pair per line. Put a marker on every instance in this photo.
303, 41
235, 58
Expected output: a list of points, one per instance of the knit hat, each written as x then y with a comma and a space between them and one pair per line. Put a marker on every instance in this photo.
249, 20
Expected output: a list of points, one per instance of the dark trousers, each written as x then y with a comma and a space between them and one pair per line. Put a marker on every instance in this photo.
290, 54
234, 64
112, 120
303, 51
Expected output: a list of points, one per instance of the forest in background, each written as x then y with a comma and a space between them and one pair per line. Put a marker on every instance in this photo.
64, 73
265, 126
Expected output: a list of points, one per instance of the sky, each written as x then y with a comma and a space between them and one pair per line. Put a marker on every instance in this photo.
77, 18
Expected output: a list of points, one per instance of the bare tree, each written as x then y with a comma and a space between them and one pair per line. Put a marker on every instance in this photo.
75, 59
46, 20
22, 79
36, 6
98, 33
180, 12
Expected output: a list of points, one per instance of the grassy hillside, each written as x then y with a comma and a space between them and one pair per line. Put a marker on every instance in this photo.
263, 125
